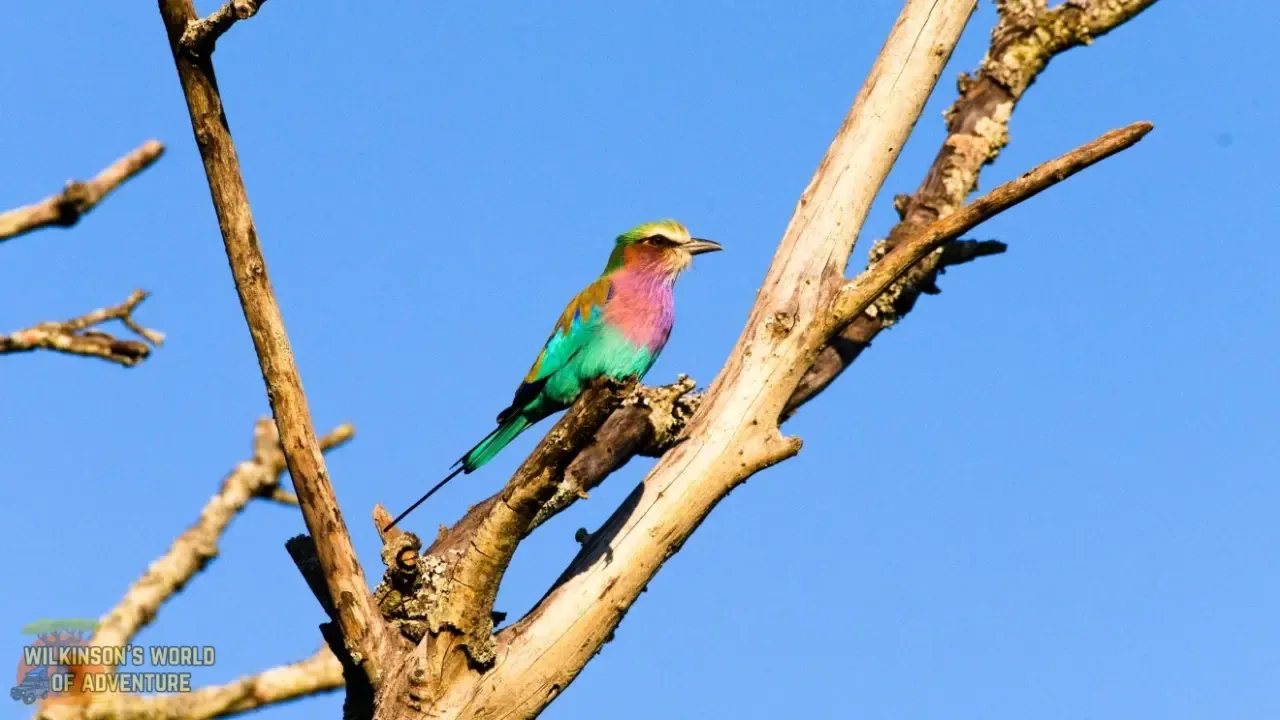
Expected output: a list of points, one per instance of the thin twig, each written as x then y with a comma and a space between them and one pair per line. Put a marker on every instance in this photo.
74, 336
258, 476
859, 293
362, 626
77, 198
319, 673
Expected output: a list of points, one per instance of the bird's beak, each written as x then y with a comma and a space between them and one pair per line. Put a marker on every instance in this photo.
697, 246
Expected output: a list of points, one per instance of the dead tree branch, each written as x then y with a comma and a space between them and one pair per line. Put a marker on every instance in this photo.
636, 429
319, 673
362, 626
77, 198
201, 36
541, 652
647, 423
75, 336
455, 606
861, 292
1022, 46
257, 477
1023, 42
443, 600
734, 433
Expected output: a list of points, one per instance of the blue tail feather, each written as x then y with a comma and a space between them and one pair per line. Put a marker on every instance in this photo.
482, 453
486, 449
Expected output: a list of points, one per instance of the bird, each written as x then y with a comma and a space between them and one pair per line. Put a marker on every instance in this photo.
614, 328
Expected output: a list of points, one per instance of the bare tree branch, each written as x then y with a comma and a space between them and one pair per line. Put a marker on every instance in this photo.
77, 198
319, 673
978, 128
74, 336
734, 432
1026, 38
202, 35
661, 414
455, 669
363, 628
459, 601
859, 294
257, 477
541, 653
648, 423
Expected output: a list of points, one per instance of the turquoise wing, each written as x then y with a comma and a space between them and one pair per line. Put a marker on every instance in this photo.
572, 331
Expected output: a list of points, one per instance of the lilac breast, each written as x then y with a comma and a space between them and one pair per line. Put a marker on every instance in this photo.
642, 306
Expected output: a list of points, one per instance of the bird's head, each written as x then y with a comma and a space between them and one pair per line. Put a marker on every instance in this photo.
664, 246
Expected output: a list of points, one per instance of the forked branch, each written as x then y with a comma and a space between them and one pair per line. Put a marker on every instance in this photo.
1023, 42
77, 336
455, 606
858, 294
541, 652
977, 125
734, 432
202, 35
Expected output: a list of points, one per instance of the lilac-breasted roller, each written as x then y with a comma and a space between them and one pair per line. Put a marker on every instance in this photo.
615, 327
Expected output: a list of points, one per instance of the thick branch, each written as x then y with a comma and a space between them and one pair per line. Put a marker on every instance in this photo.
451, 604
202, 35
734, 431
195, 548
77, 198
362, 627
1023, 42
74, 336
648, 422
319, 673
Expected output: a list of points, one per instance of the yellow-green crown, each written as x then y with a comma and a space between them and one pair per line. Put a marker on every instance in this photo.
669, 228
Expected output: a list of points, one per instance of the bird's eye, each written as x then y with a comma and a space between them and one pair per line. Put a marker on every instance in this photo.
661, 240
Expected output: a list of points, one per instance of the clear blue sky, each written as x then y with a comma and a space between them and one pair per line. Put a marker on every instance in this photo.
1050, 493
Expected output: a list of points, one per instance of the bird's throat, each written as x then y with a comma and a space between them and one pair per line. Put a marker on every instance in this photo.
642, 305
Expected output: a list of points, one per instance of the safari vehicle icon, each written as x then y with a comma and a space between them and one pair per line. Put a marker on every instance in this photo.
35, 686
39, 676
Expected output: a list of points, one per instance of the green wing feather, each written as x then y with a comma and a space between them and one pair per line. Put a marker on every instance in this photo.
572, 331
531, 403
